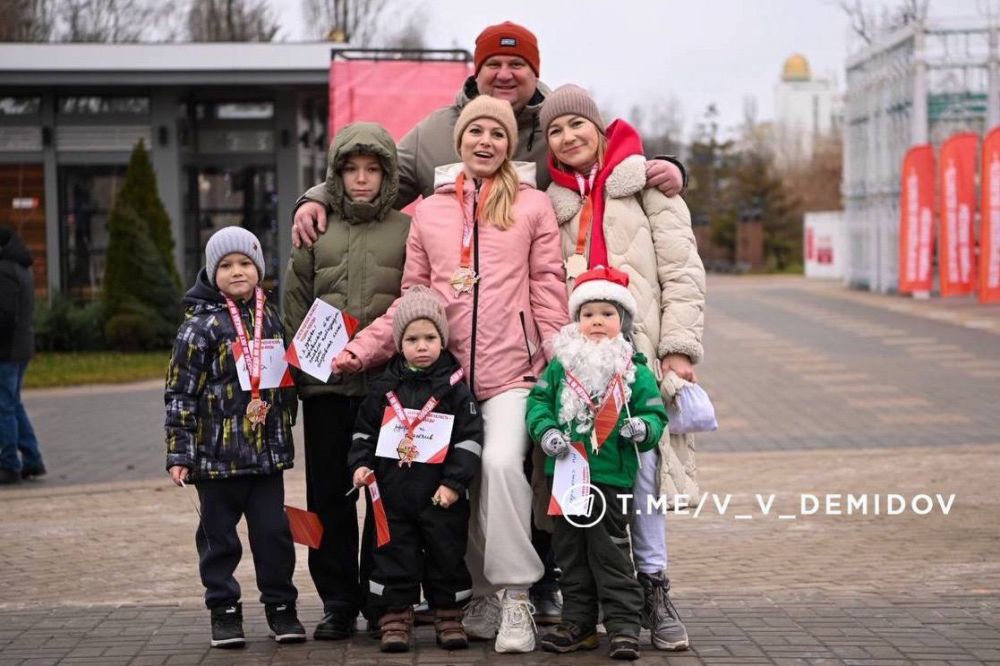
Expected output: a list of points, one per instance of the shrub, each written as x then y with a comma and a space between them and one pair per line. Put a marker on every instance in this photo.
67, 325
130, 332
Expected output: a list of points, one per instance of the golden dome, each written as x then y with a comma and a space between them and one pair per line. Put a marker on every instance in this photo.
796, 68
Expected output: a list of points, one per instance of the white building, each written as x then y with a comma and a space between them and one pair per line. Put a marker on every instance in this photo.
806, 109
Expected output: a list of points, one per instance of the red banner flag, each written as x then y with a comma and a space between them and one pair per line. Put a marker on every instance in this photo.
395, 93
916, 218
378, 509
989, 229
958, 208
305, 526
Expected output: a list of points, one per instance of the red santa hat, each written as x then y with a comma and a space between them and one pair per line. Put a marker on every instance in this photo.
601, 284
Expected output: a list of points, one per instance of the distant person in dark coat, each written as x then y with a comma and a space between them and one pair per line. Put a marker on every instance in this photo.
17, 343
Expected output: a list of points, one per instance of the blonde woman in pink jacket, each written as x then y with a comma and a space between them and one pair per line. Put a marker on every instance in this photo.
488, 242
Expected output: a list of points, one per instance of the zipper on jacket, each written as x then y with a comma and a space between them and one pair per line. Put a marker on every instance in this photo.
527, 347
475, 287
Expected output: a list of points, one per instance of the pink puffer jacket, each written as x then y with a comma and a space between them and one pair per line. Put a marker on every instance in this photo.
521, 274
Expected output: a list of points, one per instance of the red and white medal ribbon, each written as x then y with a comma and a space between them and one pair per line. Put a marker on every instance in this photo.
465, 276
257, 409
407, 450
577, 264
598, 410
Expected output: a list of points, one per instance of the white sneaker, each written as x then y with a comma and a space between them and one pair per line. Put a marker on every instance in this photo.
482, 617
517, 628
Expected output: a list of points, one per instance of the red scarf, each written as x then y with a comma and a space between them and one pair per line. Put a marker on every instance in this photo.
623, 141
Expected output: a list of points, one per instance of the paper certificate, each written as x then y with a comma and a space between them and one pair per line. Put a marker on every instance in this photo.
571, 484
273, 367
324, 333
431, 437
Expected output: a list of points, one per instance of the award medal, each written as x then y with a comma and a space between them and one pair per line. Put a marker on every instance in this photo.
576, 266
257, 408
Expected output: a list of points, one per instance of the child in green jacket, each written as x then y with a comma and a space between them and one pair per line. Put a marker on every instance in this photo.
574, 404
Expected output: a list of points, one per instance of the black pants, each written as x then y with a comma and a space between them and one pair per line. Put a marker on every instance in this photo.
425, 546
596, 565
328, 424
262, 500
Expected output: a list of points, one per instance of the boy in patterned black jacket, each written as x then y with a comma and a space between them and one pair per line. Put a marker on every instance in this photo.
425, 504
231, 443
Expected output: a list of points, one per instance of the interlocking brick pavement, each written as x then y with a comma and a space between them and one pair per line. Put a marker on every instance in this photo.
104, 572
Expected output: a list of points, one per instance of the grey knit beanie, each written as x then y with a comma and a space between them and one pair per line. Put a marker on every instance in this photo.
419, 302
570, 99
228, 240
485, 106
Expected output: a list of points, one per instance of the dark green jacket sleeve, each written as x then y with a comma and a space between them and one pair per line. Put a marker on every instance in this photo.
647, 404
542, 409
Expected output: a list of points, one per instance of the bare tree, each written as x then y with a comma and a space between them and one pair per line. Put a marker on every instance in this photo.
231, 21
356, 21
411, 35
869, 20
660, 120
105, 20
26, 20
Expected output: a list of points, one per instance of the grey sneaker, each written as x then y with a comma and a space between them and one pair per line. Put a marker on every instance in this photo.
482, 618
548, 607
517, 628
659, 614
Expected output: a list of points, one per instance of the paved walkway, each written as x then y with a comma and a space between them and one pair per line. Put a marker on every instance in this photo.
821, 396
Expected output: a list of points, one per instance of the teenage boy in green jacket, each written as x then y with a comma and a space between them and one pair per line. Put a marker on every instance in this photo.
357, 267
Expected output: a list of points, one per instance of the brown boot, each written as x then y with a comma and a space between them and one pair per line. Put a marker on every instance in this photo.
396, 625
450, 633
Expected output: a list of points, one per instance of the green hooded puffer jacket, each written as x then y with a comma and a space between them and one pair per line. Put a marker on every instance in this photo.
357, 265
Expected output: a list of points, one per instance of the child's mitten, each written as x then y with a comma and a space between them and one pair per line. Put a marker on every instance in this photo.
634, 429
555, 443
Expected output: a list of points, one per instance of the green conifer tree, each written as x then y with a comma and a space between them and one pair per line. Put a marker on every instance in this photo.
141, 296
140, 191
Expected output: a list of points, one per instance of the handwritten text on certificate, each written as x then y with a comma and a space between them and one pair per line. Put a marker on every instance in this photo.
323, 334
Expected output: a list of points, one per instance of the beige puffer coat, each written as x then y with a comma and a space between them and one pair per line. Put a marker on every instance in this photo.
649, 236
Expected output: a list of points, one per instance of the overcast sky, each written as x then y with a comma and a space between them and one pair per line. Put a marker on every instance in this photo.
627, 51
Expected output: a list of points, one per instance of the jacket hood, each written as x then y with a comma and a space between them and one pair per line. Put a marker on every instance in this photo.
202, 295
445, 176
368, 139
12, 248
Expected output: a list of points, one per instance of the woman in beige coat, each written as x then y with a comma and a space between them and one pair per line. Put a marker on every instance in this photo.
607, 217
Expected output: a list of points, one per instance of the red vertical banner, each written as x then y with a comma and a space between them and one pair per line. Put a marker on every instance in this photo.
395, 93
989, 212
956, 260
916, 220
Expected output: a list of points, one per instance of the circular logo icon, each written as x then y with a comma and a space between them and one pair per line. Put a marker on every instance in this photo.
578, 502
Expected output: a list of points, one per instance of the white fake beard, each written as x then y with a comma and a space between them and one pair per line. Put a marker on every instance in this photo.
594, 363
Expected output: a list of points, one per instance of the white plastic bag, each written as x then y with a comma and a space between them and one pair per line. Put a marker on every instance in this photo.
691, 411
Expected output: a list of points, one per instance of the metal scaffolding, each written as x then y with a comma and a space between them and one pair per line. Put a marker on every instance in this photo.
919, 84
